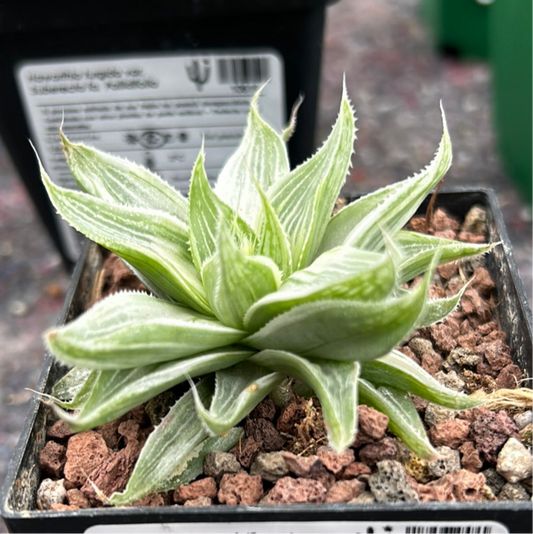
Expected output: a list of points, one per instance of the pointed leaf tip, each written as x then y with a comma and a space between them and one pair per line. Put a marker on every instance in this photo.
238, 390
262, 154
120, 181
205, 213
304, 198
255, 98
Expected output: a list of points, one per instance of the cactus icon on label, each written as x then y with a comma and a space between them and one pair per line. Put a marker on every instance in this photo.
198, 72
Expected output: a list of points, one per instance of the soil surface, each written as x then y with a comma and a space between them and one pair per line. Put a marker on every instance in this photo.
395, 80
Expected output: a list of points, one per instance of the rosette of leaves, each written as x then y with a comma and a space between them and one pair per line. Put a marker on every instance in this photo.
251, 282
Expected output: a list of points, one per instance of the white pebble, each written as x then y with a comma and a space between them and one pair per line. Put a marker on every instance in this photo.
514, 461
50, 492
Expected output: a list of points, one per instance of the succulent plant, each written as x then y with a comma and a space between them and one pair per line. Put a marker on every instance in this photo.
250, 282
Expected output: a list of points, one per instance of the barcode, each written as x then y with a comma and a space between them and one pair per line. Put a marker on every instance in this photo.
243, 71
448, 530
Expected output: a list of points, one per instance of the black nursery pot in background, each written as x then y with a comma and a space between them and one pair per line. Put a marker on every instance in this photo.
18, 507
146, 80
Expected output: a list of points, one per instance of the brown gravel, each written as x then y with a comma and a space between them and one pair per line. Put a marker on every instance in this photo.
205, 487
296, 490
334, 461
240, 488
85, 452
490, 431
451, 433
372, 425
52, 459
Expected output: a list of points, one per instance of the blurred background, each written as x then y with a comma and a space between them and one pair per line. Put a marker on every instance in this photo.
401, 58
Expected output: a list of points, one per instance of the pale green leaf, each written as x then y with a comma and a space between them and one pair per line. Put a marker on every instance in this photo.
344, 329
262, 155
272, 241
129, 330
393, 250
341, 273
73, 389
238, 390
418, 251
206, 211
233, 281
353, 214
404, 420
116, 392
152, 288
334, 383
399, 371
154, 243
168, 447
436, 310
193, 465
121, 181
359, 224
305, 198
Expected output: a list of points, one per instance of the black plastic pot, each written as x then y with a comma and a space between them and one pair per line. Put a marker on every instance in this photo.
18, 497
41, 33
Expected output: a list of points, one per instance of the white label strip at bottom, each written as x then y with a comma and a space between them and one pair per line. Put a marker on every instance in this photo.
308, 527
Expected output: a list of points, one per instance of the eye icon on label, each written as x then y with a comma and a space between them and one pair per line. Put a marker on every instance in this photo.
148, 139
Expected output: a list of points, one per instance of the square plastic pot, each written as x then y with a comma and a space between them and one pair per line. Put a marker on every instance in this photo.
18, 497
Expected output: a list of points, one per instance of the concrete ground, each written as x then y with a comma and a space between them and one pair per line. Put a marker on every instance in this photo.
395, 80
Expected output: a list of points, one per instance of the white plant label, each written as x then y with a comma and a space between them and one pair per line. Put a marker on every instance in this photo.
154, 110
308, 527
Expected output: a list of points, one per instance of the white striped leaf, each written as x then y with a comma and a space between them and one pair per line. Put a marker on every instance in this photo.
121, 181
334, 383
305, 198
154, 243
344, 329
399, 371
436, 310
206, 211
419, 249
353, 214
238, 390
129, 330
234, 281
359, 224
272, 241
262, 156
168, 448
116, 392
193, 465
404, 420
151, 288
341, 273
73, 389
